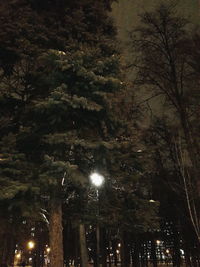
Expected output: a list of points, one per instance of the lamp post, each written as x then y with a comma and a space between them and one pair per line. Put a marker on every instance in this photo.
31, 246
97, 180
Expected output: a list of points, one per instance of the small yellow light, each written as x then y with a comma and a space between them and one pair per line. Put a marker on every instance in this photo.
167, 251
117, 251
31, 244
158, 242
48, 250
18, 255
119, 245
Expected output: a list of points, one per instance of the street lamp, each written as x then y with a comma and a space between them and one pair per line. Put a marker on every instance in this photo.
31, 245
18, 256
97, 180
158, 242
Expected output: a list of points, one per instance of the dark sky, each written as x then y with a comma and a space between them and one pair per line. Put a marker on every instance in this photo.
125, 14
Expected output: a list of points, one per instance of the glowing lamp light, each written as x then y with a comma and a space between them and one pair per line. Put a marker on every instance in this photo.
18, 255
158, 242
96, 179
48, 250
119, 245
31, 244
167, 251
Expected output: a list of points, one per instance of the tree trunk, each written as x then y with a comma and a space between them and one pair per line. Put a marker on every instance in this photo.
40, 239
103, 247
187, 259
193, 153
176, 248
115, 258
76, 249
153, 253
56, 233
125, 251
136, 256
83, 246
109, 254
97, 245
68, 240
39, 257
11, 255
8, 249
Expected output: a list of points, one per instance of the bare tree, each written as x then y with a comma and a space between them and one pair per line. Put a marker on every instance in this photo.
188, 187
164, 63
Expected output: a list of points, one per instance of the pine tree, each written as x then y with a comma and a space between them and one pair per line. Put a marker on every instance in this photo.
54, 89
73, 123
58, 90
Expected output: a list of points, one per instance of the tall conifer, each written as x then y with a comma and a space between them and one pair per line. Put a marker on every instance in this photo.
58, 73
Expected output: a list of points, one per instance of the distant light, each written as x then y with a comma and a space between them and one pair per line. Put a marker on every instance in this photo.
182, 252
48, 250
117, 251
61, 52
119, 245
158, 242
152, 201
30, 259
139, 151
18, 255
167, 251
31, 244
96, 179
